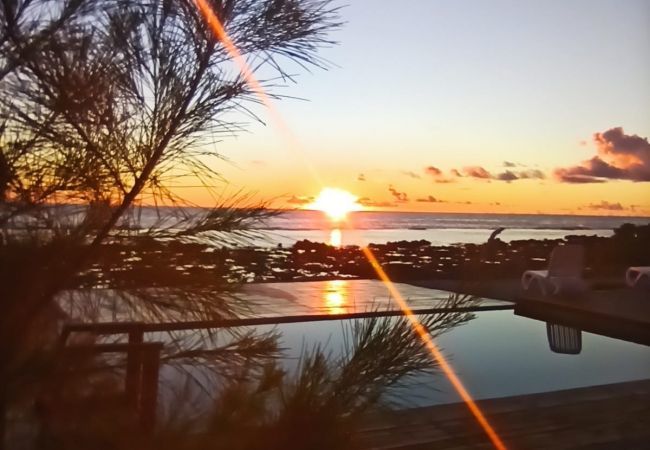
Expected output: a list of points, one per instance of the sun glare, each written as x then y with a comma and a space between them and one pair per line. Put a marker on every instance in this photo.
336, 203
335, 296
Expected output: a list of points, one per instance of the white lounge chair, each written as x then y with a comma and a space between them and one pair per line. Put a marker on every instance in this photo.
564, 272
634, 274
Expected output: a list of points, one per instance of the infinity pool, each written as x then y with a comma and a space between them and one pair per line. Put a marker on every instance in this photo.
496, 354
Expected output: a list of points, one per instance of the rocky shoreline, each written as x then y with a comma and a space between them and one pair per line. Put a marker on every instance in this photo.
147, 262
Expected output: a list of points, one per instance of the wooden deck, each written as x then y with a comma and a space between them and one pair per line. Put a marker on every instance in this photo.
614, 416
617, 312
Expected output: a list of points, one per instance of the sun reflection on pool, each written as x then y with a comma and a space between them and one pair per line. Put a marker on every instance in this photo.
335, 296
335, 237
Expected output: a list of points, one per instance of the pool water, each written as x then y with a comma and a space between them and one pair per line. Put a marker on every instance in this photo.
496, 354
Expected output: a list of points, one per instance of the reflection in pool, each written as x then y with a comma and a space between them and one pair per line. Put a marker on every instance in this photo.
335, 296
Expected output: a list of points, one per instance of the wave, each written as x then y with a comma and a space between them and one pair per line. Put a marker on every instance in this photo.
312, 221
416, 228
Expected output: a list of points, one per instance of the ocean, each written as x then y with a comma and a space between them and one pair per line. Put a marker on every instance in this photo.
366, 227
362, 228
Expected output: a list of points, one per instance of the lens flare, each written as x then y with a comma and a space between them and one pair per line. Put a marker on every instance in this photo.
253, 83
435, 351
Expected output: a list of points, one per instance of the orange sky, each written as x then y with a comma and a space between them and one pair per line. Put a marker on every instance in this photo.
291, 191
514, 100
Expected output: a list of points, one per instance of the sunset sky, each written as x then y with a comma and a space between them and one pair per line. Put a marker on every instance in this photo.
458, 105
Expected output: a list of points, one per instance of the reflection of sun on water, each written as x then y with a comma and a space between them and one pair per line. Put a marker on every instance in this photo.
335, 237
335, 296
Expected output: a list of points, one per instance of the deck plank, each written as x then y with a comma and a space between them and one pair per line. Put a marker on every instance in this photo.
608, 416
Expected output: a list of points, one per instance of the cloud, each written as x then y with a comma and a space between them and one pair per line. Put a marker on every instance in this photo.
619, 156
433, 171
361, 177
258, 163
568, 177
477, 172
294, 200
509, 164
531, 174
430, 199
410, 174
365, 201
605, 205
507, 176
594, 170
400, 197
437, 175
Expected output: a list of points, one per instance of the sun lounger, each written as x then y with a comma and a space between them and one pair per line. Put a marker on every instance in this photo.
634, 274
564, 272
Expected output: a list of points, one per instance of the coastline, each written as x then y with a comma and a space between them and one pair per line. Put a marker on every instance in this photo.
148, 262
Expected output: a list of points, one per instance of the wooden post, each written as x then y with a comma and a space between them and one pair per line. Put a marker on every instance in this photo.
3, 417
134, 366
149, 387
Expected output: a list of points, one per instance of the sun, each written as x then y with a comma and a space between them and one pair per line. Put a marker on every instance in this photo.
336, 203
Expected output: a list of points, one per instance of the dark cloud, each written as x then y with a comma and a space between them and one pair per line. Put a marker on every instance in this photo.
361, 177
594, 170
507, 176
410, 174
477, 172
400, 197
605, 205
430, 199
365, 201
294, 200
567, 177
620, 157
509, 164
437, 175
